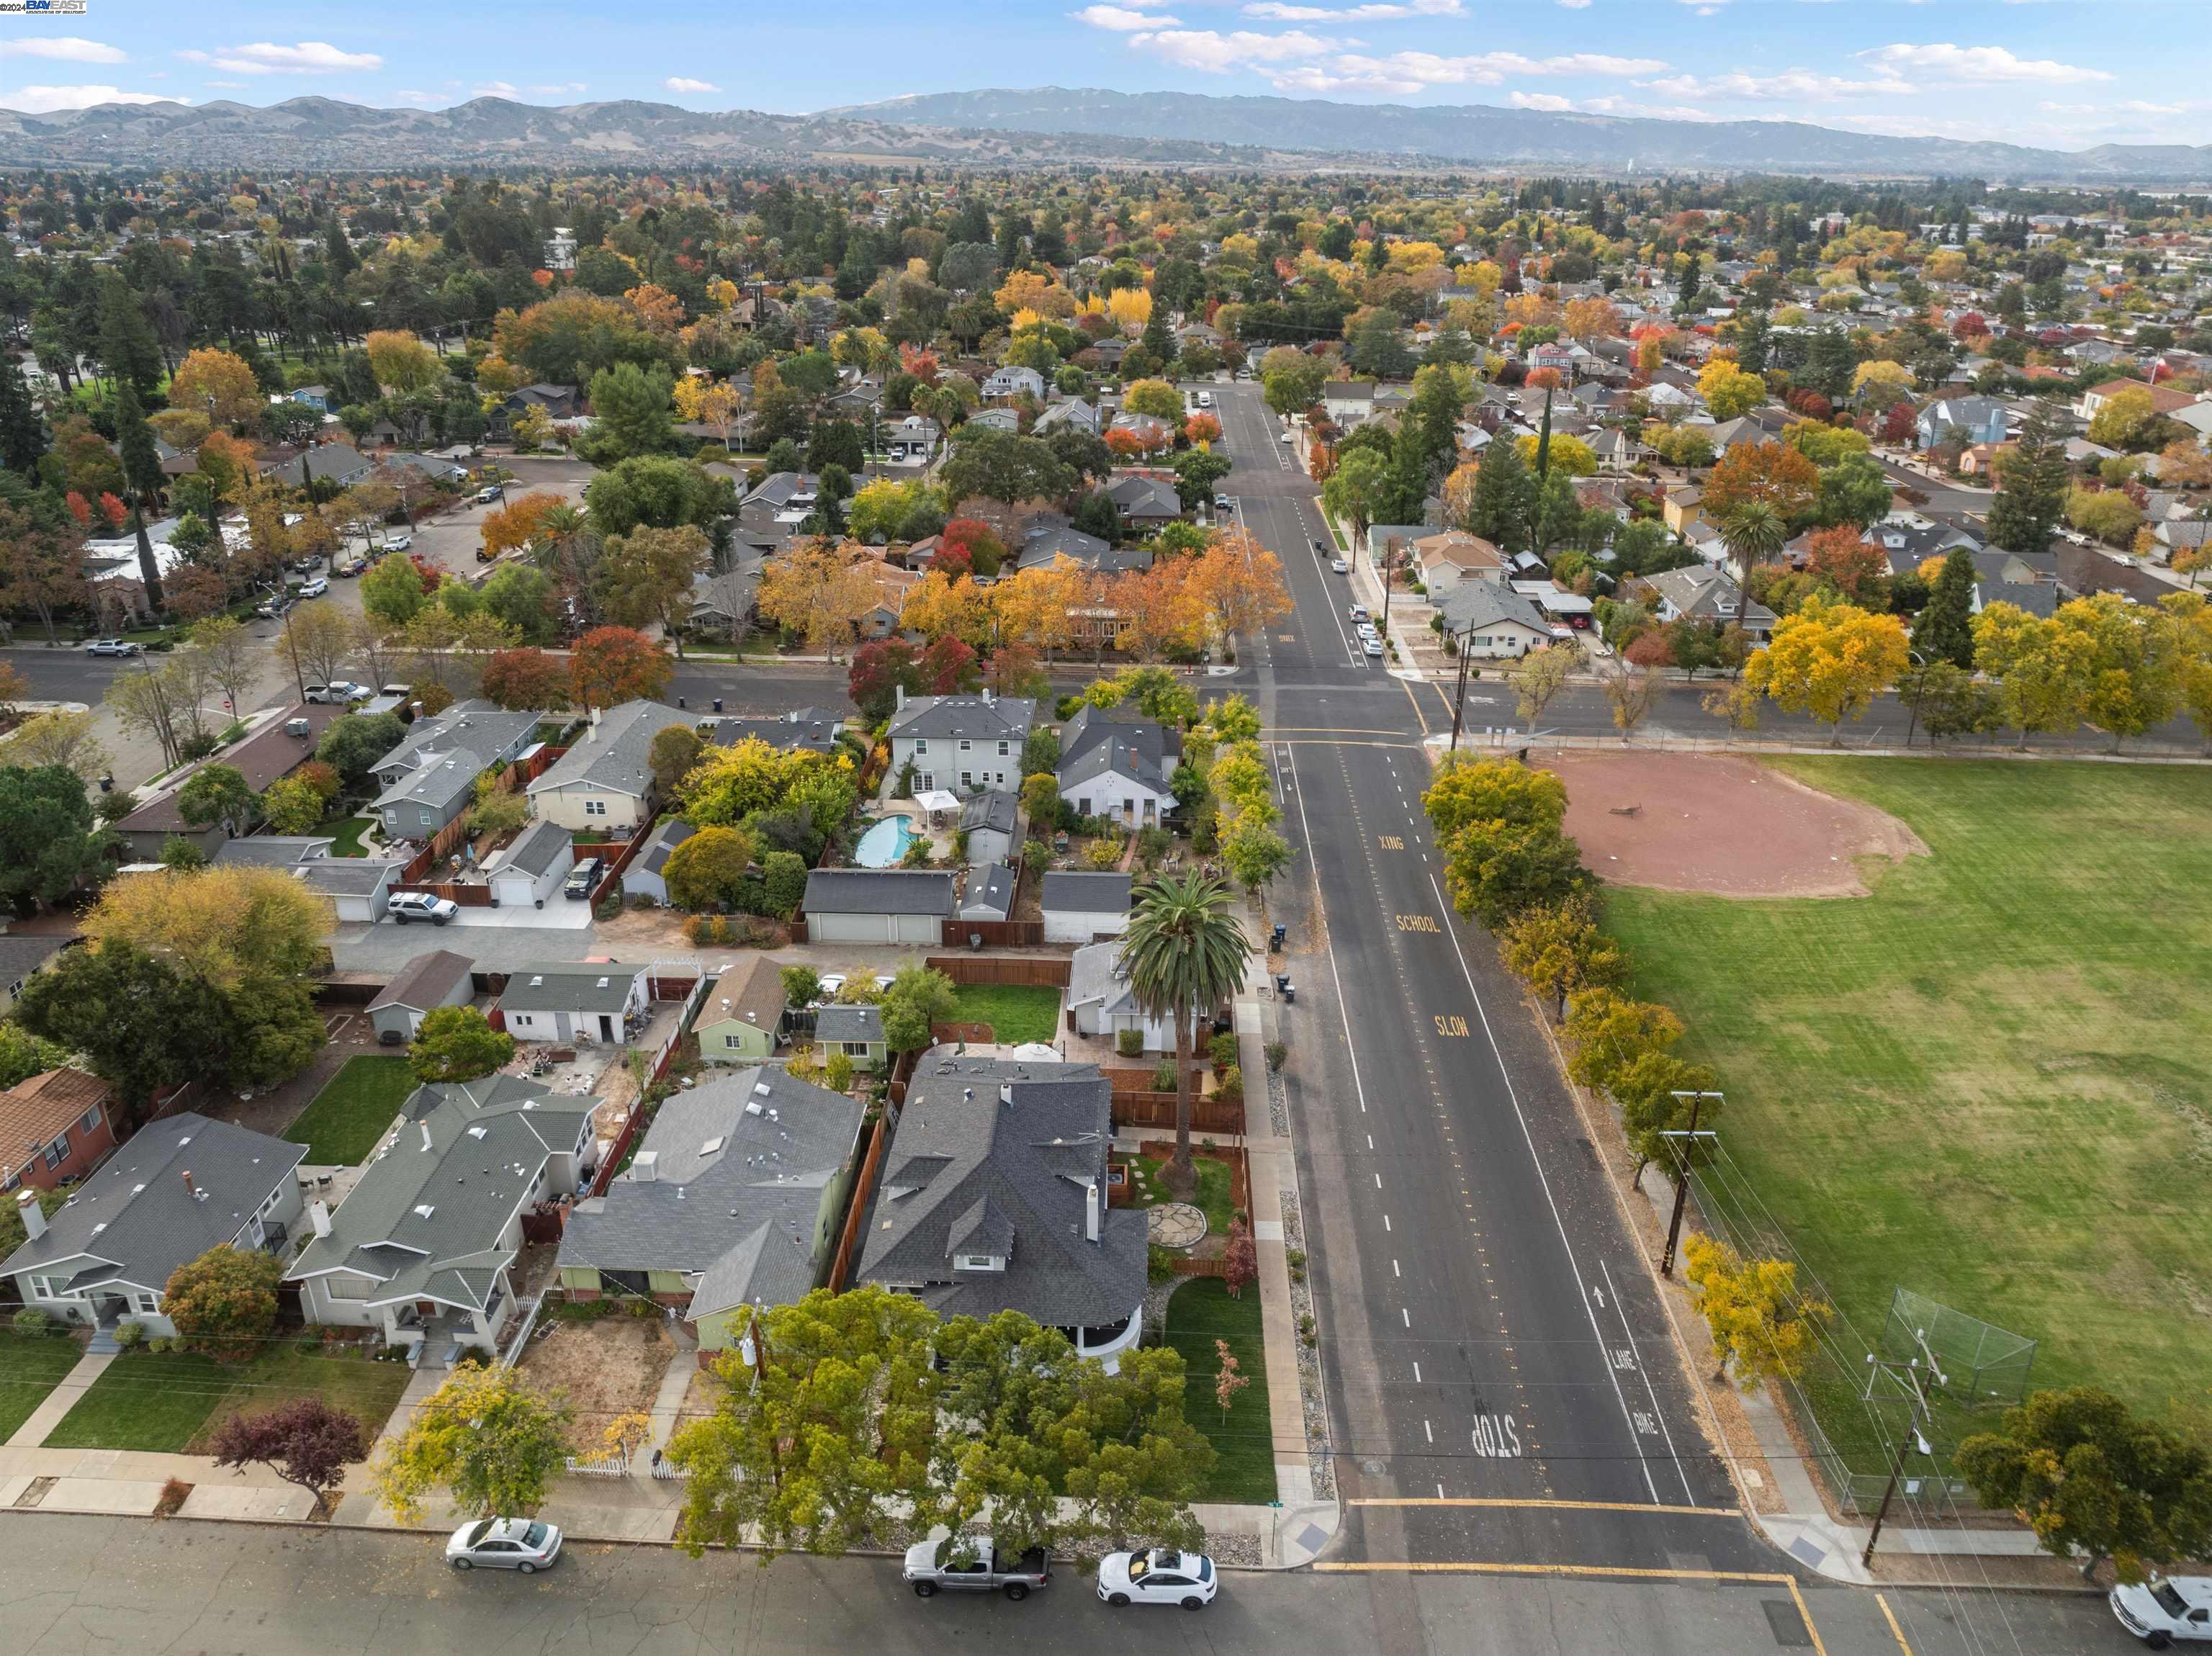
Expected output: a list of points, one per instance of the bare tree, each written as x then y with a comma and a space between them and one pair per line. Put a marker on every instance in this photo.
1630, 697
232, 655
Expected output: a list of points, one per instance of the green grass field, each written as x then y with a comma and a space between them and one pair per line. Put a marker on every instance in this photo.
1212, 1197
31, 1364
350, 1113
346, 832
1991, 1081
171, 1403
1202, 1311
1016, 1013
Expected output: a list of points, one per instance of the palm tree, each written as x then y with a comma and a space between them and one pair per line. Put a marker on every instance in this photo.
1753, 533
1183, 952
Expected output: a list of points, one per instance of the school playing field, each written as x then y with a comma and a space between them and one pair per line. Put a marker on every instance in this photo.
1990, 1080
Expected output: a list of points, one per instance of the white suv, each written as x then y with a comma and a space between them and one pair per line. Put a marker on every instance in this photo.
405, 905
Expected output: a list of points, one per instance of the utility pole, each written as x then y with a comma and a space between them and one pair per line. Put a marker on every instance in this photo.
1459, 699
1917, 1373
1686, 1144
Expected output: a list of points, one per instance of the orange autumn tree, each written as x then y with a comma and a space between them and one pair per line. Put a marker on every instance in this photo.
1772, 474
1239, 584
520, 522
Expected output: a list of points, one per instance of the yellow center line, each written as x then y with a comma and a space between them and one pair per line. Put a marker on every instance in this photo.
1563, 1506
1890, 1616
1416, 701
1331, 729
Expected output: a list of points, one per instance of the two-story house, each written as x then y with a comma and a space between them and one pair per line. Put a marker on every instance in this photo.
1966, 419
961, 743
1118, 765
429, 777
1011, 382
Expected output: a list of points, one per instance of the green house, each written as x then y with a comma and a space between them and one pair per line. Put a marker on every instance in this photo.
742, 1016
734, 1200
855, 1031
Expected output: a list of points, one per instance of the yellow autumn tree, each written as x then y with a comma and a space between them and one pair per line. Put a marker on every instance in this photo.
818, 591
1830, 660
226, 925
939, 607
1762, 1326
1025, 290
1132, 307
216, 383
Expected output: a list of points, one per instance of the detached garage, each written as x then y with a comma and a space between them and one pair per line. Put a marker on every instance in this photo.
531, 868
878, 905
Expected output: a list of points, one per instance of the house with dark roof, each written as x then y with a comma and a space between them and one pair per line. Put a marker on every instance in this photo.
812, 728
1700, 592
1491, 621
987, 893
1048, 538
21, 955
54, 1129
436, 977
1080, 906
581, 1001
357, 887
422, 1249
878, 905
732, 1204
529, 870
855, 1031
961, 743
992, 1197
1117, 764
992, 820
647, 873
184, 1185
271, 753
428, 777
605, 779
741, 1020
771, 513
1144, 504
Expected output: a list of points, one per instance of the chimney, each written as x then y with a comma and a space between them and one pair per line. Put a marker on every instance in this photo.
426, 1136
189, 1185
899, 692
990, 695
318, 1215
644, 1167
1090, 1212
33, 1215
1007, 1093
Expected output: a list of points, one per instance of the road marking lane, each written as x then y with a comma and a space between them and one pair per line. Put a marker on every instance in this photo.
1549, 1506
1650, 1390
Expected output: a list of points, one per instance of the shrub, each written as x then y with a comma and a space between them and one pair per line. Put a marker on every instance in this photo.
172, 1498
838, 1070
129, 1335
1129, 1043
1222, 1049
1232, 1084
1277, 1052
31, 1320
1163, 1075
1102, 853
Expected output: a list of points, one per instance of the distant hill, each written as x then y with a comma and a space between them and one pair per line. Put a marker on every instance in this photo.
1043, 126
1485, 135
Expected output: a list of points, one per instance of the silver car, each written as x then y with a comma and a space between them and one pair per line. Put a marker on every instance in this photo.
504, 1544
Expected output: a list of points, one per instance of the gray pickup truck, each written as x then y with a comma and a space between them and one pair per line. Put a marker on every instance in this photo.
970, 1563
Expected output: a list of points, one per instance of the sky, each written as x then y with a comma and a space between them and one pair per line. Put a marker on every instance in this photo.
2059, 73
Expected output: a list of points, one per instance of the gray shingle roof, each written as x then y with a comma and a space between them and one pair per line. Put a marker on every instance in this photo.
670, 833
1084, 893
474, 723
425, 1219
840, 1022
990, 893
969, 1172
735, 1196
570, 986
813, 728
346, 876
138, 1214
1473, 603
878, 891
446, 777
1094, 744
614, 756
424, 981
542, 846
993, 808
999, 718
273, 850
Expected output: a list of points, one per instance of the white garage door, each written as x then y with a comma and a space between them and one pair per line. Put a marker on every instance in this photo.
917, 928
354, 909
850, 928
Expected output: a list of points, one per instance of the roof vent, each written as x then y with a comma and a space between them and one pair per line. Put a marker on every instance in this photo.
476, 1132
425, 1210
752, 1106
711, 1146
603, 983
538, 982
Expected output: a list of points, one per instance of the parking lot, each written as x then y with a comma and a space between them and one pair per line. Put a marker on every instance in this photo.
450, 540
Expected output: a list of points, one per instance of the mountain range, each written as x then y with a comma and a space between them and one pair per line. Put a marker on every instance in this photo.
1041, 125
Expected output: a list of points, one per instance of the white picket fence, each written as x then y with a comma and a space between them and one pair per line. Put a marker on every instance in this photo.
615, 1463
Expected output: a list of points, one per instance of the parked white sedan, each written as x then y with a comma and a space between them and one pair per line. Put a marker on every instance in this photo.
1159, 1577
504, 1544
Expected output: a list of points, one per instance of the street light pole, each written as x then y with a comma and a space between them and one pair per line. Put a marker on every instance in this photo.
1459, 699
1684, 1150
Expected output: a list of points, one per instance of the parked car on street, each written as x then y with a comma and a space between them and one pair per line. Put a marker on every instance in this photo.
110, 646
399, 543
1372, 645
2159, 1612
970, 1563
315, 587
583, 877
1339, 566
350, 566
405, 905
1161, 1576
1357, 611
489, 492
504, 1544
336, 692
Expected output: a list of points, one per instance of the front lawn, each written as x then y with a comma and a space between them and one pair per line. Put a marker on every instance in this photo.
31, 1364
1016, 1012
171, 1403
1990, 1080
1202, 1311
351, 1112
347, 832
1212, 1197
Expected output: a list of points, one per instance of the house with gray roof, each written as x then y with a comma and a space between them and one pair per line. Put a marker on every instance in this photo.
1145, 503
878, 905
1100, 1002
436, 977
1081, 905
422, 1249
1702, 593
584, 1001
733, 1203
961, 743
813, 729
605, 779
532, 867
358, 887
989, 895
1009, 382
1491, 621
856, 1031
184, 1185
992, 1197
1047, 540
428, 778
993, 822
647, 873
1115, 763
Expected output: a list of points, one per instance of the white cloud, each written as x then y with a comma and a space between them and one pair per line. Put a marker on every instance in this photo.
1629, 107
425, 99
1981, 64
304, 58
1275, 12
1545, 100
684, 83
1404, 72
562, 90
496, 89
46, 99
1575, 5
1122, 19
1217, 53
67, 48
1791, 86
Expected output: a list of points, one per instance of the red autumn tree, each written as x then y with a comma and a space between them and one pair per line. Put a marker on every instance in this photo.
614, 664
1897, 425
1649, 650
985, 551
880, 668
1842, 557
948, 667
306, 1442
1202, 428
952, 562
527, 679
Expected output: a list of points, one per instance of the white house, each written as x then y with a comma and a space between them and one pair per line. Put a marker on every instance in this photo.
1081, 907
576, 1001
605, 779
1117, 767
961, 743
1101, 1002
1491, 621
530, 868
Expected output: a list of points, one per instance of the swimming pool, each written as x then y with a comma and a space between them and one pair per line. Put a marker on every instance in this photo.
885, 843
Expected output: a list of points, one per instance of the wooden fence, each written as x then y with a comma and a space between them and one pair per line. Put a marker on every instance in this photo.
864, 1187
512, 779
1147, 1108
694, 993
1034, 972
999, 934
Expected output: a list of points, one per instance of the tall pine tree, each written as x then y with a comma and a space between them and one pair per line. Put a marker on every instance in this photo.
142, 472
1499, 510
127, 344
1943, 631
2031, 486
22, 431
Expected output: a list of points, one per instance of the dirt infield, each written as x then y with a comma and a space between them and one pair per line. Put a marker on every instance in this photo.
1713, 823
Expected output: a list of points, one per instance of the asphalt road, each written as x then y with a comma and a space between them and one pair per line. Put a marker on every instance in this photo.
72, 1585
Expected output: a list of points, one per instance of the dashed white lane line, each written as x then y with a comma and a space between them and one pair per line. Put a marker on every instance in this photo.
1379, 1181
1417, 1374
1407, 1314
1386, 1222
1394, 1272
1427, 1433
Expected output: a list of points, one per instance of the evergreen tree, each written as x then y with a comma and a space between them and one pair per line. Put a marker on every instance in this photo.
1157, 342
1944, 630
339, 258
2032, 483
142, 470
1499, 511
1543, 441
1751, 341
127, 344
22, 432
